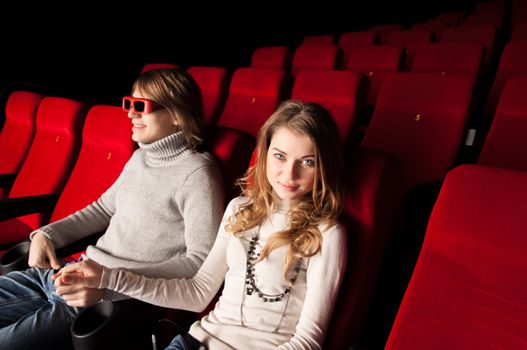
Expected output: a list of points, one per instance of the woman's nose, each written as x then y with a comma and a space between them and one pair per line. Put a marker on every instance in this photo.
133, 115
291, 170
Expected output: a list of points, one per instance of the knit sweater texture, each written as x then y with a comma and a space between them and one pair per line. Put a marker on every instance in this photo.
302, 320
160, 217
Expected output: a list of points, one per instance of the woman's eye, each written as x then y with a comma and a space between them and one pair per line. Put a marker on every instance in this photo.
279, 156
309, 162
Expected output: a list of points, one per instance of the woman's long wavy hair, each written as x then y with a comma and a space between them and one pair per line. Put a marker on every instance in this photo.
322, 205
178, 92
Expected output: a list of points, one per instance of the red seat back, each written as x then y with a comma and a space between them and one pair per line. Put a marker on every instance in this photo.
420, 119
325, 39
505, 144
106, 147
410, 40
211, 81
513, 63
233, 150
376, 63
449, 58
372, 198
341, 92
276, 57
467, 290
18, 130
152, 66
315, 57
253, 96
353, 40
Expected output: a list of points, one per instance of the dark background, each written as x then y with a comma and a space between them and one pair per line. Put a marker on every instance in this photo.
89, 52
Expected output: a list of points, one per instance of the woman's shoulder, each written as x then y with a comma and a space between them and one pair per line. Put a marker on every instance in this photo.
236, 203
335, 230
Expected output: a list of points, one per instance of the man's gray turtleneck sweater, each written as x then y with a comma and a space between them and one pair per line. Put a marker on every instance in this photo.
161, 216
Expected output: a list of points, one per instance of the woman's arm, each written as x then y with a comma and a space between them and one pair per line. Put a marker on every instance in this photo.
192, 294
324, 275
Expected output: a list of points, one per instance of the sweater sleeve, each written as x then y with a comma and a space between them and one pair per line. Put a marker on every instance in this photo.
92, 219
192, 294
324, 275
201, 204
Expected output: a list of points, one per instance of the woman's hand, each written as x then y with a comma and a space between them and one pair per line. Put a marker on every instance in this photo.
86, 273
42, 252
77, 283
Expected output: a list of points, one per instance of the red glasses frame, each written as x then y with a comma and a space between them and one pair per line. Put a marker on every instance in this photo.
140, 105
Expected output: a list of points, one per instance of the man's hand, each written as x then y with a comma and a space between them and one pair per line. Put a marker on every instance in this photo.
42, 252
79, 296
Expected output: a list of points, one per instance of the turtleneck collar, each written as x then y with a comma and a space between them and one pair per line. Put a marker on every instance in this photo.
165, 150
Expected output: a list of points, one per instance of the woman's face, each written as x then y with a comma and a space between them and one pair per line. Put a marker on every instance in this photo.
150, 127
290, 164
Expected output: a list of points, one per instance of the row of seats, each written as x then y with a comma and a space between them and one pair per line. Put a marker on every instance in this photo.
380, 34
375, 63
255, 92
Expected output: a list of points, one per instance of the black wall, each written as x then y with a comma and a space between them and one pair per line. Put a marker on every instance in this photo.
94, 54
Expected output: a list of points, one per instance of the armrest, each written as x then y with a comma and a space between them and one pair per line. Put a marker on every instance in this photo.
7, 180
12, 207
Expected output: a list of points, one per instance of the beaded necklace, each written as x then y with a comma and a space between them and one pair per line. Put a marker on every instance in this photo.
250, 281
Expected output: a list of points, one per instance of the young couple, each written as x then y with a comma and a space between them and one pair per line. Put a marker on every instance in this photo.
279, 252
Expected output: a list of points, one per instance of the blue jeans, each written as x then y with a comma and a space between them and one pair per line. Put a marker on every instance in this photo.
32, 316
185, 342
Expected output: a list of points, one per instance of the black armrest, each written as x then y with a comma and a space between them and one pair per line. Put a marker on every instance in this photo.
13, 207
6, 180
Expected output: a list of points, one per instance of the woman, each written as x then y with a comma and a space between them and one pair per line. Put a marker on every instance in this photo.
160, 217
280, 250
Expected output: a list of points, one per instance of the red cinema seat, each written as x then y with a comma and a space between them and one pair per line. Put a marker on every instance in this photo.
319, 40
16, 135
376, 63
513, 62
410, 40
449, 58
233, 149
276, 57
437, 27
212, 83
467, 290
49, 162
351, 40
371, 201
253, 96
106, 147
505, 144
385, 29
452, 18
341, 92
420, 119
482, 34
152, 66
315, 57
